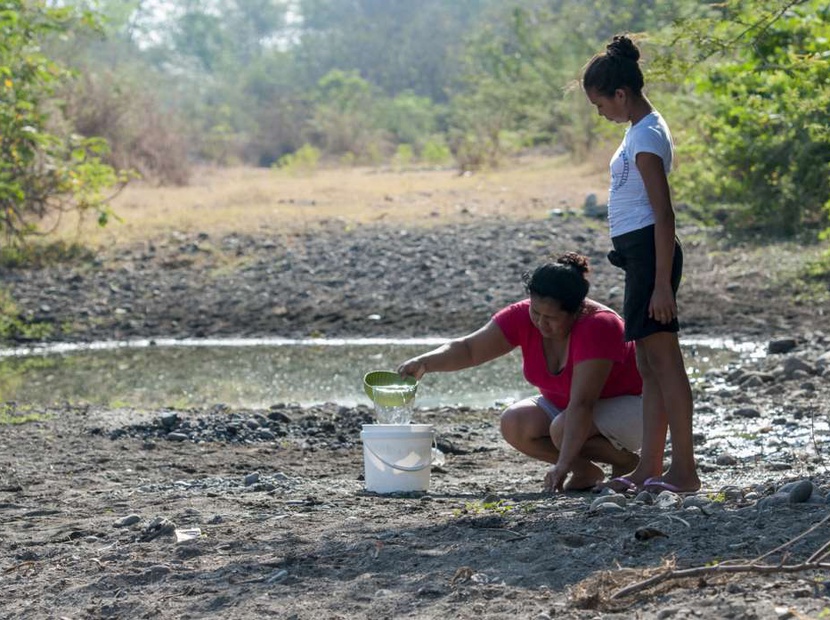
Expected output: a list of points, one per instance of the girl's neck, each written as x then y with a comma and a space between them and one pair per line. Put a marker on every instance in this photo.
640, 108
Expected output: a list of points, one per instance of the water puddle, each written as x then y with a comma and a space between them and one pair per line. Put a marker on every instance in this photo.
261, 372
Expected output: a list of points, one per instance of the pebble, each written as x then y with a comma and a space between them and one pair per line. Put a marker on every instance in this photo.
667, 499
726, 460
644, 497
169, 420
616, 500
277, 577
127, 521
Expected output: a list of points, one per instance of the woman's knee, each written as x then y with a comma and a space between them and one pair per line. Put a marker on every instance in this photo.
523, 422
510, 423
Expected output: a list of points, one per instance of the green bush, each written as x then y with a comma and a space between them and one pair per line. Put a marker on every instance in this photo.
304, 161
757, 146
13, 327
403, 156
435, 151
44, 169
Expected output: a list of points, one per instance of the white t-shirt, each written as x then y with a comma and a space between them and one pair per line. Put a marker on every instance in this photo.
628, 205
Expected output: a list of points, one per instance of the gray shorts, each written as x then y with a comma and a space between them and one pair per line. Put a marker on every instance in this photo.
619, 419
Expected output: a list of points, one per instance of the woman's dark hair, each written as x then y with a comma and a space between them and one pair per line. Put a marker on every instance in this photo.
616, 67
562, 280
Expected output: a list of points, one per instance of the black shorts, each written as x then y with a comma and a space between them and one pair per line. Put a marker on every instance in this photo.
635, 254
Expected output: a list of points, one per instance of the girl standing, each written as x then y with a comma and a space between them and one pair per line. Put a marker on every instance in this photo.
642, 223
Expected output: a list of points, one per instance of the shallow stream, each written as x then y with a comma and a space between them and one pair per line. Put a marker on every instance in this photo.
262, 372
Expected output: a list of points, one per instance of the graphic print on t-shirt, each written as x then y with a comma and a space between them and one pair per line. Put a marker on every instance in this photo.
619, 171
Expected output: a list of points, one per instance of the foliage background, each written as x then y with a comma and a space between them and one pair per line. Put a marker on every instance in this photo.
744, 84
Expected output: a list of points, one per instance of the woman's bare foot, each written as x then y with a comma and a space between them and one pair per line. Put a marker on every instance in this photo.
584, 479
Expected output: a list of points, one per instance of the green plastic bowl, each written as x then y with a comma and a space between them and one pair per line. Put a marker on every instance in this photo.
389, 389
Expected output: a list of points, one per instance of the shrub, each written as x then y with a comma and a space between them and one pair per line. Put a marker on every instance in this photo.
43, 170
435, 151
303, 161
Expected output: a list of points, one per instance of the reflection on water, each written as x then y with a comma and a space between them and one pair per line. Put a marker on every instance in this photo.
259, 373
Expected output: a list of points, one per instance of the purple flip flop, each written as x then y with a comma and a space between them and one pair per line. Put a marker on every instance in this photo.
662, 485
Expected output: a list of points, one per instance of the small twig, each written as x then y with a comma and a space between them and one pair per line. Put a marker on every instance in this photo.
820, 554
503, 529
790, 542
18, 567
712, 570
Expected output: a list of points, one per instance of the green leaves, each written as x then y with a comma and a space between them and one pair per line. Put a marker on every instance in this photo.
759, 142
41, 172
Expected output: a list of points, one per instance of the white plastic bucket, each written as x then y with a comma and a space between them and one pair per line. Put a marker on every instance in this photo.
397, 457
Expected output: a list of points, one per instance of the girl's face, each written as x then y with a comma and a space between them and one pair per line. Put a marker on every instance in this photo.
549, 317
615, 108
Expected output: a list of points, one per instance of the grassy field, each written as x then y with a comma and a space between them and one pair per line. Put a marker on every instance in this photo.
250, 200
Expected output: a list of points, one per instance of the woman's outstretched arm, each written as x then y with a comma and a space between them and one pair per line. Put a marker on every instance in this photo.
475, 349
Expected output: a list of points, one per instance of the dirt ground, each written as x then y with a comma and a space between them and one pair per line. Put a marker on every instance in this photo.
222, 513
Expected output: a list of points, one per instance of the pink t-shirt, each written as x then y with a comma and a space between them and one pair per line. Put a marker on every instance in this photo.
598, 335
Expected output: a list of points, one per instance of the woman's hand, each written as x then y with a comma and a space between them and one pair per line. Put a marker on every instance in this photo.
662, 307
555, 479
413, 368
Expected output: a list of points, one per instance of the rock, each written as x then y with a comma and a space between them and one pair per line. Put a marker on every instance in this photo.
648, 532
277, 576
747, 412
799, 492
615, 500
169, 420
782, 345
644, 497
158, 526
731, 493
177, 437
699, 501
252, 478
726, 460
127, 521
793, 367
592, 208
667, 499
779, 499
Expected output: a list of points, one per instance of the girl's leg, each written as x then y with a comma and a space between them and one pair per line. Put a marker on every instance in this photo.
670, 384
655, 423
526, 427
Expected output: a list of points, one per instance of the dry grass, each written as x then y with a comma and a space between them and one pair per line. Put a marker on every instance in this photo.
248, 200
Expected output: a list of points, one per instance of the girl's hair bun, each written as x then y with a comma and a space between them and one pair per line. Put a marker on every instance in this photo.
623, 47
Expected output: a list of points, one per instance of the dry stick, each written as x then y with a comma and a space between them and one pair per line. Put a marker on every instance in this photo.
793, 540
726, 567
719, 568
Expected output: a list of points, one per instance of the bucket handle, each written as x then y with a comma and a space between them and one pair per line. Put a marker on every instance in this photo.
417, 467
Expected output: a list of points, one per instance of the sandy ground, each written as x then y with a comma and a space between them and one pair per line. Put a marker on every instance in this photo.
93, 501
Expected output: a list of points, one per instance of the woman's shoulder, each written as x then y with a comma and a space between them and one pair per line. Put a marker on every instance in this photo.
597, 319
594, 311
513, 311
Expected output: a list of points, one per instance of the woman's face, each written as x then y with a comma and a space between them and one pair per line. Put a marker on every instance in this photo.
615, 108
549, 317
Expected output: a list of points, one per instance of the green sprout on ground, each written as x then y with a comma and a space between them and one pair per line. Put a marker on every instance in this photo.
478, 507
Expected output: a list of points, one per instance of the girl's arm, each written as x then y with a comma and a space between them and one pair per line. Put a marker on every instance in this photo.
662, 307
481, 346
